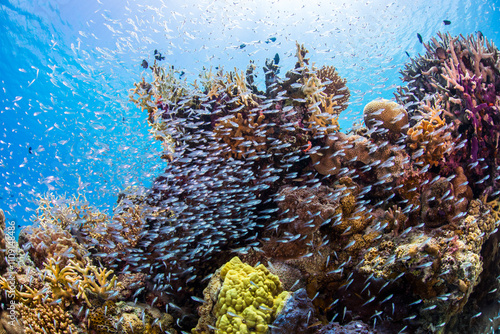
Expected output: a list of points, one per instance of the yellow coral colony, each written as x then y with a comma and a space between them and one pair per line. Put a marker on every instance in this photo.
249, 298
429, 138
325, 93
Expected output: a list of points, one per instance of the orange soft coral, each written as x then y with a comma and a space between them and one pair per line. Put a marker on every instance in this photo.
428, 139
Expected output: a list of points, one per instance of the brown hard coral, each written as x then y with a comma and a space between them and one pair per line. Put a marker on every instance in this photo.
340, 149
386, 114
100, 320
42, 243
443, 200
243, 134
429, 139
45, 318
303, 211
335, 86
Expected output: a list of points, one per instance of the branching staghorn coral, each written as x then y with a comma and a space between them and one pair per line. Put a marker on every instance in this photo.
461, 74
28, 296
77, 280
62, 281
317, 88
157, 98
447, 63
63, 212
62, 222
95, 282
334, 87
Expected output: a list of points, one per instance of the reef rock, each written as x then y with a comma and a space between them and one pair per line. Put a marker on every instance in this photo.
296, 316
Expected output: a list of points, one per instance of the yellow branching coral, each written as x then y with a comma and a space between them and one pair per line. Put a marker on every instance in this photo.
324, 91
26, 297
326, 117
94, 281
60, 222
76, 280
60, 284
165, 89
62, 280
249, 298
244, 136
232, 84
239, 84
144, 99
429, 139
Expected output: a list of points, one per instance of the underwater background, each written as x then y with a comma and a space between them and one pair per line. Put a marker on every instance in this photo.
68, 65
71, 125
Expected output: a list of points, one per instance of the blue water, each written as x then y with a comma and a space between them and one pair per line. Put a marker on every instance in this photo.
66, 125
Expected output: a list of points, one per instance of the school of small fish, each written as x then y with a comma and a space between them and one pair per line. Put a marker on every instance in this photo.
391, 226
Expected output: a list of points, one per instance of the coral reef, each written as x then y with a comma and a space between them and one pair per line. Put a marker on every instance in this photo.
428, 139
46, 242
460, 76
390, 227
129, 319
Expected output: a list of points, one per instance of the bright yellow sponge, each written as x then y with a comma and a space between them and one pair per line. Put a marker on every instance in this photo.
249, 298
